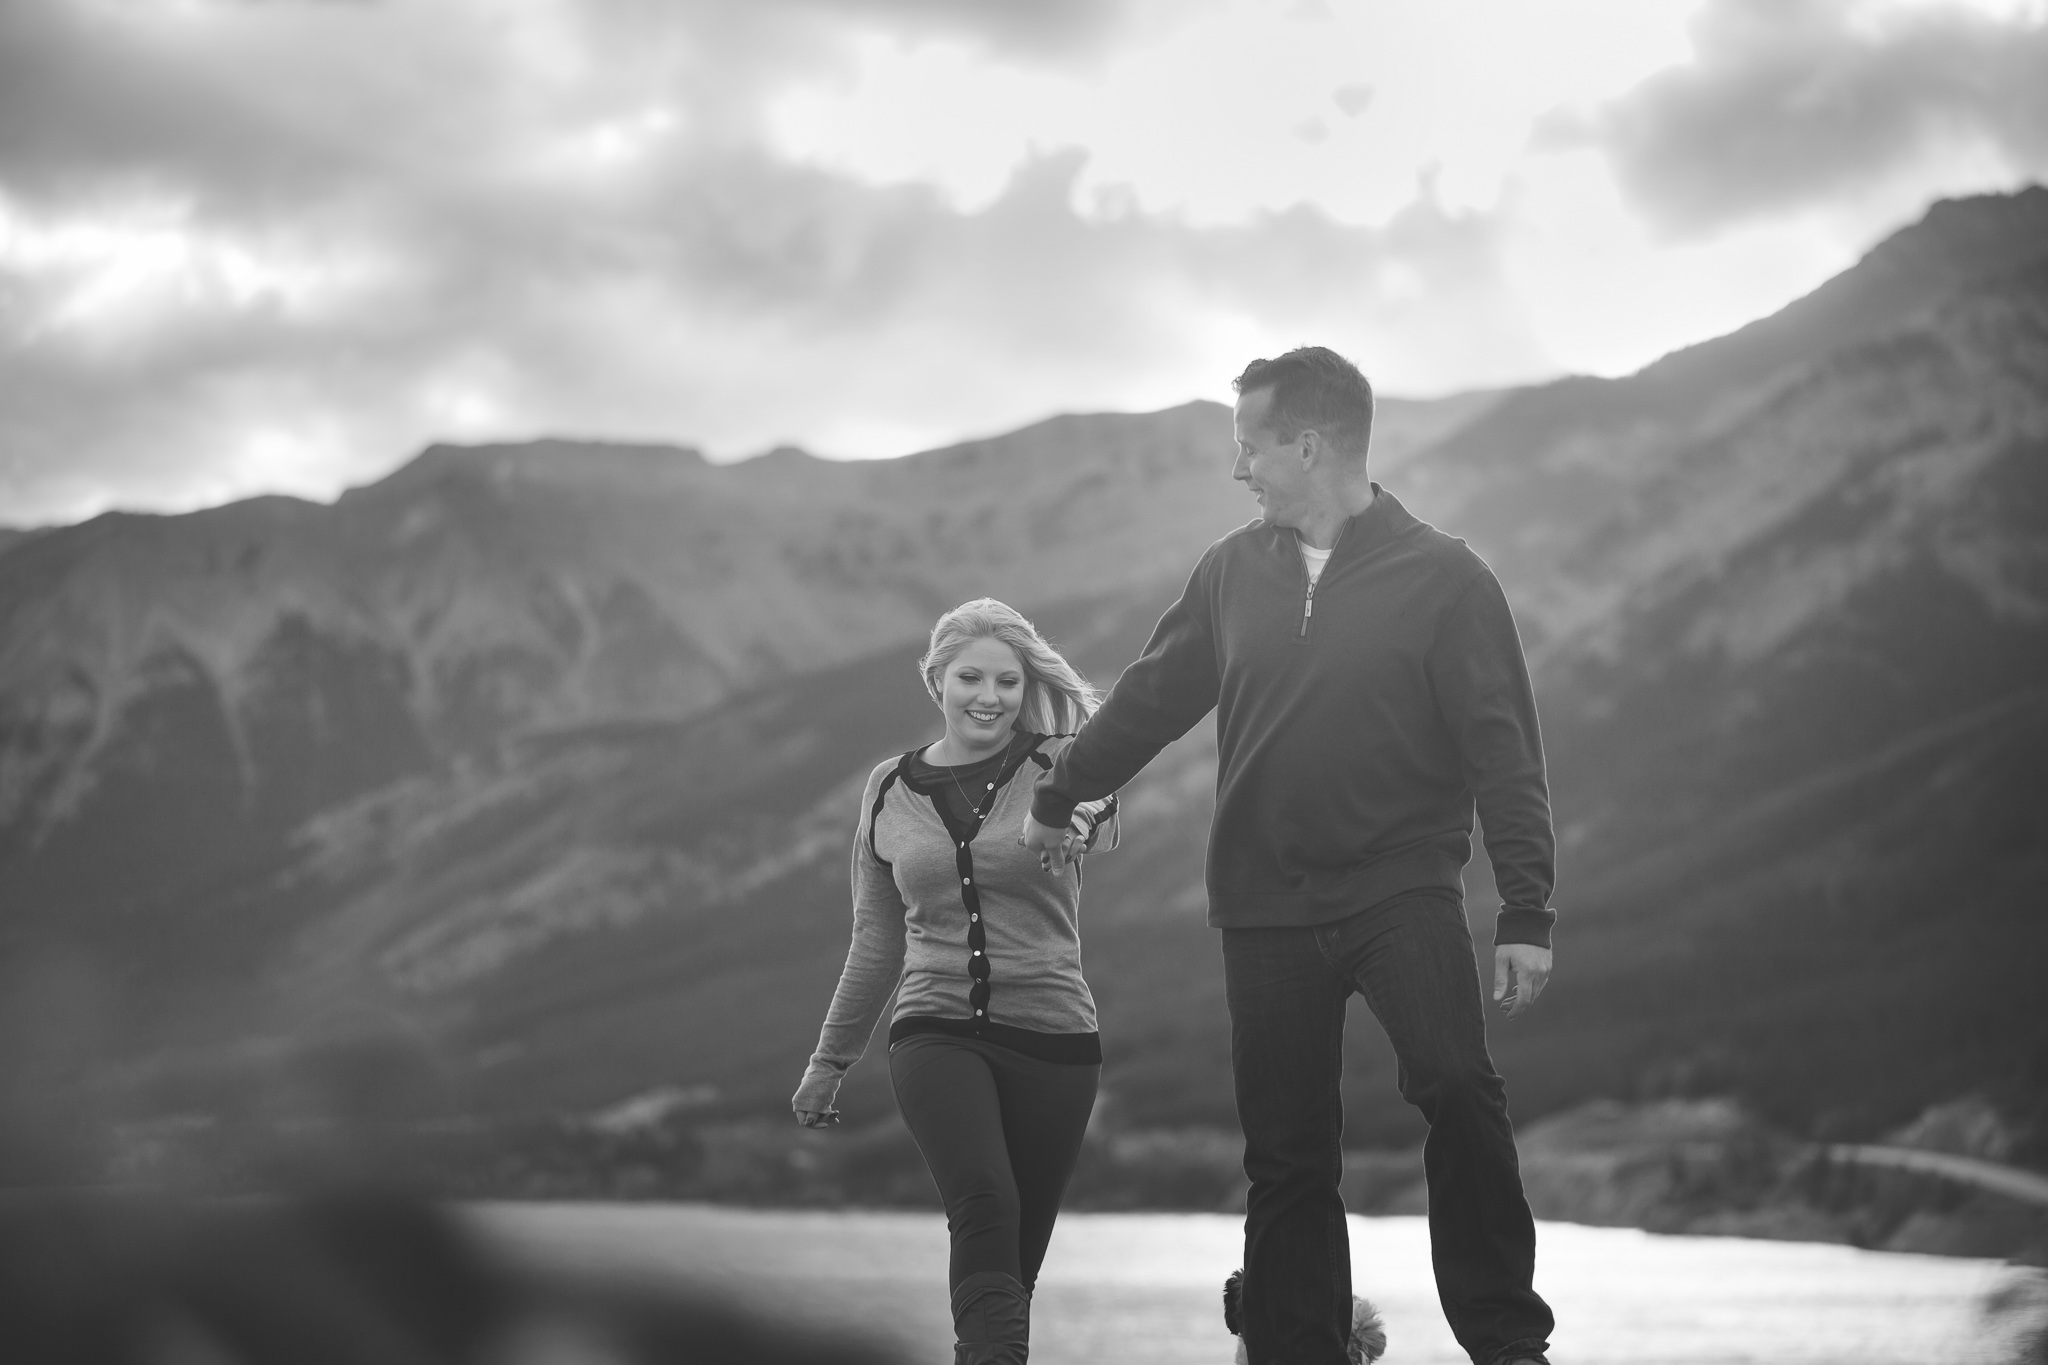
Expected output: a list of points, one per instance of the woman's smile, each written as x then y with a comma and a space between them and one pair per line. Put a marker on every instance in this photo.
981, 693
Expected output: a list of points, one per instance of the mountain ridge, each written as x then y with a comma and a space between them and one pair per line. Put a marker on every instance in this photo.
563, 820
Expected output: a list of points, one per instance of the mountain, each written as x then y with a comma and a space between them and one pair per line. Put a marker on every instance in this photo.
1530, 479
1799, 749
186, 703
281, 656
1790, 640
520, 781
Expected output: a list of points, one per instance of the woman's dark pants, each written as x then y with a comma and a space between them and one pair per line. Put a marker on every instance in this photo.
1411, 958
1001, 1133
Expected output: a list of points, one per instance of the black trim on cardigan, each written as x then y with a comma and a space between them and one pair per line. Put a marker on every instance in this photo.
902, 770
1023, 747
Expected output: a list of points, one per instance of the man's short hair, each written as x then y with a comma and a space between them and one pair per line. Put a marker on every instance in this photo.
1314, 388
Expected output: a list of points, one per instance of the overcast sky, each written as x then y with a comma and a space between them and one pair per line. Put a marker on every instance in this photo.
278, 245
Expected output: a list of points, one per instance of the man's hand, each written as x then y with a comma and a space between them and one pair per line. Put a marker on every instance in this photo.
1048, 842
1519, 971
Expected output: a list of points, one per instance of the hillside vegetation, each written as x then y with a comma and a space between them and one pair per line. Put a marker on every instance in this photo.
519, 784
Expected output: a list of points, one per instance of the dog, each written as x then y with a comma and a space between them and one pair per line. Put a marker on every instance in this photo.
1368, 1340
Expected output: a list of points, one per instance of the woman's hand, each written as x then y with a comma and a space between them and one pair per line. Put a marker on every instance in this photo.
1053, 847
1088, 820
813, 1118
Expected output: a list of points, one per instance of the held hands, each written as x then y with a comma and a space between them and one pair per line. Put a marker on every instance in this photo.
1050, 844
1519, 973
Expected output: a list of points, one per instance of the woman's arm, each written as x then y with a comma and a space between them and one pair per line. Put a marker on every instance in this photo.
874, 961
1091, 818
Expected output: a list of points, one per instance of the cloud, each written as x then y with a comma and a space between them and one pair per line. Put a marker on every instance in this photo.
1046, 28
1790, 103
1354, 99
280, 246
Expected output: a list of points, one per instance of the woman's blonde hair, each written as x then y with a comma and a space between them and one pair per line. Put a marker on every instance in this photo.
1056, 698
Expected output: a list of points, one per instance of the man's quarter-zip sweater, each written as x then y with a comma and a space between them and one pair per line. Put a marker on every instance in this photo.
1358, 723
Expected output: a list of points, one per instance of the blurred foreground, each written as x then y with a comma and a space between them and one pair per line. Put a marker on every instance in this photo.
367, 1279
382, 1278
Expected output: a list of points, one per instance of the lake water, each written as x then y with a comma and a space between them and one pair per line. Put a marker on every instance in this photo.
1142, 1288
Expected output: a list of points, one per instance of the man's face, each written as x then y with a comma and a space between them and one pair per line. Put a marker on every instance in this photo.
1268, 466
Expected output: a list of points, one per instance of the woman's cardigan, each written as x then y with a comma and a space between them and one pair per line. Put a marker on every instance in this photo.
976, 931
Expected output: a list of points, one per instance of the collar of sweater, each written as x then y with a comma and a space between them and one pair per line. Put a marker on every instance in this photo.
1386, 520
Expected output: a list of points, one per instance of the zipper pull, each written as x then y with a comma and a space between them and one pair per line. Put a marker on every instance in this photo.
1308, 606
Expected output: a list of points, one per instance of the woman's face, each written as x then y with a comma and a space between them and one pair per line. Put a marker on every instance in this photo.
981, 692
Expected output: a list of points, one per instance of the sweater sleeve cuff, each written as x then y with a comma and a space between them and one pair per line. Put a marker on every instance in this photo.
820, 1087
1523, 926
1048, 807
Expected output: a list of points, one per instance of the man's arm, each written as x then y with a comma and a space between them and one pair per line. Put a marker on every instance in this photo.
1158, 699
1482, 687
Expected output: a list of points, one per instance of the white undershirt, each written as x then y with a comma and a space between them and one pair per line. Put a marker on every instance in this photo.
1315, 559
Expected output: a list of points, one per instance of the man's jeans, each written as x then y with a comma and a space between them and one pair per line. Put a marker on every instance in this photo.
1411, 958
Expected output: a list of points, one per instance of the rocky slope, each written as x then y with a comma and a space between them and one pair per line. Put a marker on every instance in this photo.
292, 655
188, 705
1799, 758
521, 781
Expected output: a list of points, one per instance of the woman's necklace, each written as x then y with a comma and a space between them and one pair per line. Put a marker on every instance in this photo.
972, 810
953, 775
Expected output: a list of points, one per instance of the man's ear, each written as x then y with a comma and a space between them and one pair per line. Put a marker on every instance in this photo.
1312, 448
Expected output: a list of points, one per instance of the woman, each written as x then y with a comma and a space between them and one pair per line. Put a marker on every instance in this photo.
993, 1050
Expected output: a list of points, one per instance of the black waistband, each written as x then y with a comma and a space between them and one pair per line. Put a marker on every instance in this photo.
1073, 1049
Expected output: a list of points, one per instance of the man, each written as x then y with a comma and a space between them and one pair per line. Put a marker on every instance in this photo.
1369, 689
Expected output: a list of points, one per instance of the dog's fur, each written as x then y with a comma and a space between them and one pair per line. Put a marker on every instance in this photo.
1368, 1340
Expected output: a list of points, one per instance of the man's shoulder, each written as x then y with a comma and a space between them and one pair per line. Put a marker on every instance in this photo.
1437, 551
1250, 536
1448, 553
1248, 539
